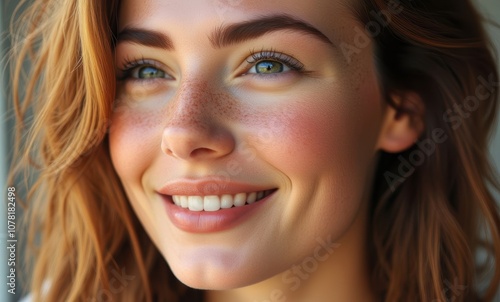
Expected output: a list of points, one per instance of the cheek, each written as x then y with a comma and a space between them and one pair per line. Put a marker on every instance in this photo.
134, 142
324, 143
322, 131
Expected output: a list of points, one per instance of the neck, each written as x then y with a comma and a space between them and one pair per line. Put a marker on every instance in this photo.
335, 272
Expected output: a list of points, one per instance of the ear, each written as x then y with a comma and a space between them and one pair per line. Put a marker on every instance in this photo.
403, 122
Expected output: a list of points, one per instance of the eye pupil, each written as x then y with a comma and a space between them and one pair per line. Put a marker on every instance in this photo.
150, 72
269, 67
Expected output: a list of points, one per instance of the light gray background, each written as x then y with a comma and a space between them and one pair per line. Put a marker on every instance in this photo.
491, 8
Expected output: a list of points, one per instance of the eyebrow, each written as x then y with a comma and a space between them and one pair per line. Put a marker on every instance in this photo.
145, 37
226, 35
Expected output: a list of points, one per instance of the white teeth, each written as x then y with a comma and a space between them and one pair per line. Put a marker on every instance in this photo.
240, 199
184, 202
252, 197
213, 203
195, 203
226, 201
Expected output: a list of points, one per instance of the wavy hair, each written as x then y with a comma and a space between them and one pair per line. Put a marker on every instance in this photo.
429, 217
431, 211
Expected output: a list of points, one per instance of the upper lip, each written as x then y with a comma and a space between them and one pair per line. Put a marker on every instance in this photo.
209, 186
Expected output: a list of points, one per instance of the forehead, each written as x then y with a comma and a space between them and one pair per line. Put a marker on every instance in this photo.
330, 16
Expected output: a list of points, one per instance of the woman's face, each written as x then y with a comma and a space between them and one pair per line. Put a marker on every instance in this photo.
252, 117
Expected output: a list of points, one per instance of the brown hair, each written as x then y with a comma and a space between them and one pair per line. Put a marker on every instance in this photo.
432, 205
427, 218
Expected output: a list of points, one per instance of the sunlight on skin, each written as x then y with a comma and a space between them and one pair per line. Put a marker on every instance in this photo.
310, 129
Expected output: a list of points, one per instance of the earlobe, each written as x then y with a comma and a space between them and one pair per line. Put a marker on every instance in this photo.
403, 123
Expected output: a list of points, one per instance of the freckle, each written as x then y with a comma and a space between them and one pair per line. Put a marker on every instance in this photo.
198, 97
147, 119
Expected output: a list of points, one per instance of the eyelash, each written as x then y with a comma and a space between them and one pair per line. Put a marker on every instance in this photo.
129, 65
255, 57
273, 55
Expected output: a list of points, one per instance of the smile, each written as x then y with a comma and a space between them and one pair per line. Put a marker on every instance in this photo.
207, 206
212, 203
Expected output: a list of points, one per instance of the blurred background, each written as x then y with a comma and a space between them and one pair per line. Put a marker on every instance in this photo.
490, 8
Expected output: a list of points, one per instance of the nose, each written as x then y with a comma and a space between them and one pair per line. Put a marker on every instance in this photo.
194, 129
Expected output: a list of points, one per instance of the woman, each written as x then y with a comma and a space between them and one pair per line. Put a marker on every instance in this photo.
259, 151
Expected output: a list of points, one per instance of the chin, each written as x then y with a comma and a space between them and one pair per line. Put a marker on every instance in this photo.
219, 279
216, 282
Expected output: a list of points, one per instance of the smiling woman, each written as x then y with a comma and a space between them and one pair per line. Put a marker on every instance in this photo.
278, 151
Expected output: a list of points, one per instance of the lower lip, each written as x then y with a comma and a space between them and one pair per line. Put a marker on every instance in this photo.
209, 222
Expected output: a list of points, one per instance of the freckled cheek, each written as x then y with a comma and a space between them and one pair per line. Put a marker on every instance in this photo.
134, 139
331, 132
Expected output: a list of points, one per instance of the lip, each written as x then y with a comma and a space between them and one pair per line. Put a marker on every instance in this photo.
209, 186
210, 222
205, 221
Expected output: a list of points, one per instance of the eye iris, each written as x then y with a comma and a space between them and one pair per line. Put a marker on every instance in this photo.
269, 67
149, 72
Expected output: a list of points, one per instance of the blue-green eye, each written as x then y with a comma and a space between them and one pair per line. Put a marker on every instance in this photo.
269, 67
142, 70
272, 62
147, 72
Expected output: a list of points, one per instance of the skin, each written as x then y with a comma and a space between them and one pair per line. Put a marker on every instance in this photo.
314, 136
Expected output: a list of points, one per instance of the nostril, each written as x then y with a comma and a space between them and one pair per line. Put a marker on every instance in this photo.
202, 152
